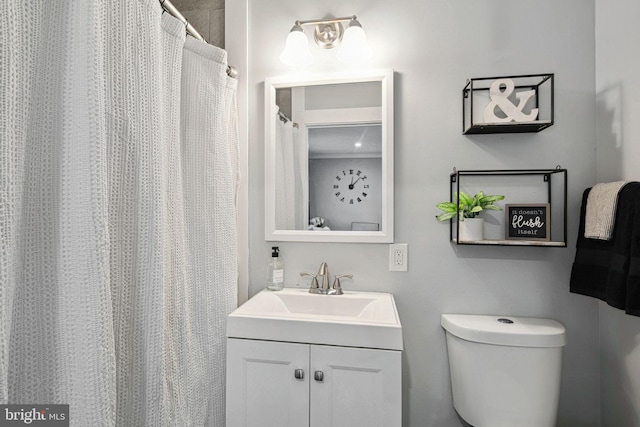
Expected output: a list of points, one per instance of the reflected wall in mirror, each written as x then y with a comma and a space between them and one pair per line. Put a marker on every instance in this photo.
329, 158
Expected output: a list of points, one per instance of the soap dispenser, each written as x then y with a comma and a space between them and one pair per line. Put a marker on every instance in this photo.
275, 271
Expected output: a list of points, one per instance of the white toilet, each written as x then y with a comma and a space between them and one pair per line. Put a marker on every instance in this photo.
505, 371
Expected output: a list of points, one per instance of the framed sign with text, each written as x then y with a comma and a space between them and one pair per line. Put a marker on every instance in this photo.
528, 221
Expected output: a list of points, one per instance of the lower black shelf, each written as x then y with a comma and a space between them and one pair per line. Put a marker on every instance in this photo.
544, 243
545, 186
486, 128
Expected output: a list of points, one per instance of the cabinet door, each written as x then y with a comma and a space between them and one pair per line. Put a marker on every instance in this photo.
262, 388
360, 387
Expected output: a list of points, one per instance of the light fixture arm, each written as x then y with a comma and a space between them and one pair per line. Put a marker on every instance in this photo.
326, 21
328, 31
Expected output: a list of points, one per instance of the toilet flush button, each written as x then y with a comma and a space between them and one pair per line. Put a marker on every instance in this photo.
504, 320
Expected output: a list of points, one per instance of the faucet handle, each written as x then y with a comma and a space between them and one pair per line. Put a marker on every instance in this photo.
314, 279
336, 282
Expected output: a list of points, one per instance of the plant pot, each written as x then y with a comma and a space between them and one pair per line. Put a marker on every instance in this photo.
471, 230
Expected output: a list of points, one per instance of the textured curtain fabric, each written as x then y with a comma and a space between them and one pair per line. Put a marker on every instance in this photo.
301, 174
118, 180
290, 173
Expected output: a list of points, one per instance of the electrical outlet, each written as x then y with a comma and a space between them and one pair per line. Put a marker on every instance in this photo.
398, 256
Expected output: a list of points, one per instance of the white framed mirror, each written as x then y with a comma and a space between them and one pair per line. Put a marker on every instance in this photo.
329, 157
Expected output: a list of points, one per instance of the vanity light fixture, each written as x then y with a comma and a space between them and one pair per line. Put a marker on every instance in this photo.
328, 33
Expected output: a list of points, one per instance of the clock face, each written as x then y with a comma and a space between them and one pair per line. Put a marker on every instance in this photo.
351, 186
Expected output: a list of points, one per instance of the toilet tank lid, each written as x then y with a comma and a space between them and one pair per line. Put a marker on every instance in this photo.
506, 330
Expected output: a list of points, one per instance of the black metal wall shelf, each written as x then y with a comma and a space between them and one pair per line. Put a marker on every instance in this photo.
476, 97
554, 182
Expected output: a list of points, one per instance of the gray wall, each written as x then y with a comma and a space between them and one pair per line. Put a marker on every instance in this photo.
434, 46
338, 214
618, 152
206, 16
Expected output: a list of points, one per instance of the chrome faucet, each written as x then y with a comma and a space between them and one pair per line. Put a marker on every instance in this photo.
324, 289
324, 272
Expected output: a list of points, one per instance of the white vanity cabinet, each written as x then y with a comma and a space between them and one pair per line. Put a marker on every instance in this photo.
283, 384
296, 359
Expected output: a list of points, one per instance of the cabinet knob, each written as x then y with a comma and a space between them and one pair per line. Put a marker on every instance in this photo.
299, 374
318, 376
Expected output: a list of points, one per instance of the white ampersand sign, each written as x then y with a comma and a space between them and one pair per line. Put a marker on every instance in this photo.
499, 91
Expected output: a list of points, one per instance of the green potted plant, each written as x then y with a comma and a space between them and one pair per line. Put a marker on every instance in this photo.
470, 226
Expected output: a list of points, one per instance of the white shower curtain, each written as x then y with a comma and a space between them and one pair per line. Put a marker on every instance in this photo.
290, 178
118, 177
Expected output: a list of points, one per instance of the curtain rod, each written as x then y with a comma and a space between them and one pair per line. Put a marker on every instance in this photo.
282, 116
169, 7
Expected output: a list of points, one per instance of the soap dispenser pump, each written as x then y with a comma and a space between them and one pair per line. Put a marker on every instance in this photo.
275, 271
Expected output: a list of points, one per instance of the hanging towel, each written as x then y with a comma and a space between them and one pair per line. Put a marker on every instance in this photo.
601, 210
610, 269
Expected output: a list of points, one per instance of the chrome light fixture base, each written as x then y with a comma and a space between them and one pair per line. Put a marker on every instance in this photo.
328, 35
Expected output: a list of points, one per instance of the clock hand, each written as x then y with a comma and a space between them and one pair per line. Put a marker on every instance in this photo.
351, 185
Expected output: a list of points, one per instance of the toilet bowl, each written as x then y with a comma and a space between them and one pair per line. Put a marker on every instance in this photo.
505, 371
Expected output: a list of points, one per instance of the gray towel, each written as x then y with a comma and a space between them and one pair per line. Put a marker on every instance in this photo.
601, 210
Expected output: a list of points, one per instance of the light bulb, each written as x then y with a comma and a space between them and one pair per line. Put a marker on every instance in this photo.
296, 51
354, 47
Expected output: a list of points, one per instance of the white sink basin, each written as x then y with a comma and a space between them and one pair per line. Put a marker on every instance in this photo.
355, 319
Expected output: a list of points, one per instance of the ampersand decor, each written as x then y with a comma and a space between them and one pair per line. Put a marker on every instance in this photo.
499, 92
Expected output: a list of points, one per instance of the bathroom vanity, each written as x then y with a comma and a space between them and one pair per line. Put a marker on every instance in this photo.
297, 359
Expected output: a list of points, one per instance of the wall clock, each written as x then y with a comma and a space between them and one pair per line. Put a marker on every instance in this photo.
351, 186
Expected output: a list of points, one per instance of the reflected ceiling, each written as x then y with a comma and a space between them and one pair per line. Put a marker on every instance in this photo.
345, 141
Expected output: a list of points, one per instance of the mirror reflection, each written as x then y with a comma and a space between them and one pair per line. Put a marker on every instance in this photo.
328, 160
345, 177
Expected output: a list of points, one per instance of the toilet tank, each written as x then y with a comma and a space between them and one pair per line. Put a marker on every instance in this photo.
505, 371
